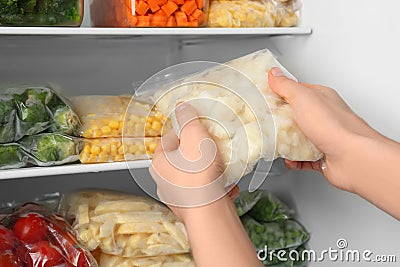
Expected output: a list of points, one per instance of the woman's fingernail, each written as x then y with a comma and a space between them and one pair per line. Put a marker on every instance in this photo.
277, 72
180, 106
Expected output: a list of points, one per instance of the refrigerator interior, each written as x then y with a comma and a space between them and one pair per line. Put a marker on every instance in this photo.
353, 48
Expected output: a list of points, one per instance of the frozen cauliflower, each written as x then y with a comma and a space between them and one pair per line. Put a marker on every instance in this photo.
248, 13
245, 118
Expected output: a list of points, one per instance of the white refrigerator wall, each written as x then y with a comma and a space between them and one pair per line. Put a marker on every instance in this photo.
354, 48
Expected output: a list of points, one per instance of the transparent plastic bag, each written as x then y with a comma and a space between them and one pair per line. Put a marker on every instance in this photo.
149, 13
34, 236
49, 149
178, 260
117, 149
246, 201
253, 13
235, 95
29, 110
269, 209
275, 235
124, 225
12, 156
109, 116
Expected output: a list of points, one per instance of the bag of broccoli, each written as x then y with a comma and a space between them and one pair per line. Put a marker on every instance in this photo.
51, 148
12, 156
275, 235
269, 209
7, 119
64, 119
29, 110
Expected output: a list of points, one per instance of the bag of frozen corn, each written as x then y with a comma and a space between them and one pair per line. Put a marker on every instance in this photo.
124, 225
114, 149
109, 116
253, 13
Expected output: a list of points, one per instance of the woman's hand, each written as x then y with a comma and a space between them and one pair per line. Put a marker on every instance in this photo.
188, 171
357, 158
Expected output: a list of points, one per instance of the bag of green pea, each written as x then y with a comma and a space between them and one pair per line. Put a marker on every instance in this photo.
270, 209
275, 235
246, 201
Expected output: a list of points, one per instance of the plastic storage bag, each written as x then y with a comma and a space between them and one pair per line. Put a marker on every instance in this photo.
124, 225
115, 149
253, 13
109, 116
48, 149
41, 13
12, 156
182, 260
276, 235
235, 95
149, 13
269, 209
33, 236
246, 201
29, 110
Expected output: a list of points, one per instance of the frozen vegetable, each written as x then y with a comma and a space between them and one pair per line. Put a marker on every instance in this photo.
253, 13
51, 149
64, 119
149, 13
124, 225
269, 208
270, 130
29, 110
246, 201
180, 260
12, 156
114, 116
43, 12
34, 236
117, 149
33, 116
276, 235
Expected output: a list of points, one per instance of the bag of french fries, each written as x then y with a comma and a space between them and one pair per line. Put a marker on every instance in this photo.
127, 230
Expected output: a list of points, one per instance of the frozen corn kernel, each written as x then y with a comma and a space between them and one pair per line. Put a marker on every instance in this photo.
113, 124
106, 130
114, 149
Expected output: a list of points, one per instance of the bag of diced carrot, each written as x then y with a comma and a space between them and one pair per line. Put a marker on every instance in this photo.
149, 13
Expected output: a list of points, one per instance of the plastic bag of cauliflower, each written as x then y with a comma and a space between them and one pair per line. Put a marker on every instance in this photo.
245, 118
253, 13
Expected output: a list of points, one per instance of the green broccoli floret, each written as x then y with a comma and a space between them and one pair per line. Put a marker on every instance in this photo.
64, 118
50, 147
11, 156
7, 108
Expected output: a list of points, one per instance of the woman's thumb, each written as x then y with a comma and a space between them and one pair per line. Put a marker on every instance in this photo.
282, 85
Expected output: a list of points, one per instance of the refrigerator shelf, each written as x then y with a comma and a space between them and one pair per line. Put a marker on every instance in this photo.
153, 31
71, 169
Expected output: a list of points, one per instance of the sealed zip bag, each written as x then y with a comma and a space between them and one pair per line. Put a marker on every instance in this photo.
12, 156
34, 236
124, 225
109, 116
49, 149
29, 110
245, 118
275, 235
